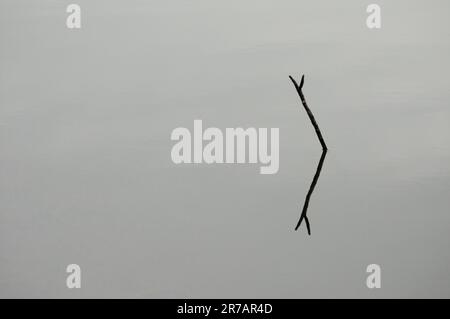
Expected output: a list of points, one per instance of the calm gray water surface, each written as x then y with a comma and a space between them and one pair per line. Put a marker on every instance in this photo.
86, 175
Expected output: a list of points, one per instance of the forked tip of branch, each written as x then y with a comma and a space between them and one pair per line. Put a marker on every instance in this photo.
295, 82
308, 227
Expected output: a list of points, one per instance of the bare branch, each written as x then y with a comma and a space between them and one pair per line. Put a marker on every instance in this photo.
322, 157
308, 111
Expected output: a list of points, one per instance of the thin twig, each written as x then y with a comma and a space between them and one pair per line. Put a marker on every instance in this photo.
310, 191
322, 157
308, 111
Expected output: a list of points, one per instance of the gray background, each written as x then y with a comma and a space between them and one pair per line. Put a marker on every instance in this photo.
86, 175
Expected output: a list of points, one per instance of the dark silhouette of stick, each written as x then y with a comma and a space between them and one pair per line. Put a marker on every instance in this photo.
308, 111
322, 157
308, 195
